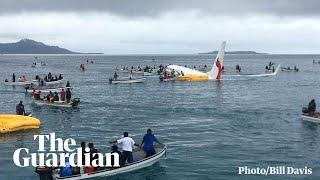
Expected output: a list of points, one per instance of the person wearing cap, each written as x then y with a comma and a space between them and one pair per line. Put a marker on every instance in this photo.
20, 108
147, 143
114, 149
127, 144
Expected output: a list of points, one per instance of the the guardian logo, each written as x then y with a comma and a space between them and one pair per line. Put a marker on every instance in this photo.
59, 150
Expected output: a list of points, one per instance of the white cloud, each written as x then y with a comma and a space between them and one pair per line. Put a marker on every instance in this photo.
169, 33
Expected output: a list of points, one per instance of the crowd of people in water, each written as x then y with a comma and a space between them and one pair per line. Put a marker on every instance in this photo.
238, 68
82, 68
125, 157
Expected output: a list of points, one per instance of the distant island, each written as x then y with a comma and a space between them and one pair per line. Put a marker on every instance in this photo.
234, 52
28, 46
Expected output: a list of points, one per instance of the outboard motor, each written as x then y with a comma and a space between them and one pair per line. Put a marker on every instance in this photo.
45, 173
75, 101
110, 80
305, 110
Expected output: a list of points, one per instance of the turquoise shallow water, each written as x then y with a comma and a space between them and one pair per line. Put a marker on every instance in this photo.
210, 127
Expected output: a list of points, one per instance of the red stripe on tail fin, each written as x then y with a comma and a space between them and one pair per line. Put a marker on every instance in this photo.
218, 64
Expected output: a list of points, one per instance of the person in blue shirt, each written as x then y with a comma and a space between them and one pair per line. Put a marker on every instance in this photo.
147, 143
20, 109
65, 170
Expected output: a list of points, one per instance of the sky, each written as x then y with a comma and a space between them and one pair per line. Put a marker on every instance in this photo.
165, 26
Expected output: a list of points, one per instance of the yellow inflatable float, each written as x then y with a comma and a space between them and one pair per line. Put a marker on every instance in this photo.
11, 123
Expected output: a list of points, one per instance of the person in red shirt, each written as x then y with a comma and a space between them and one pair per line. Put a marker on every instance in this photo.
63, 95
34, 93
165, 76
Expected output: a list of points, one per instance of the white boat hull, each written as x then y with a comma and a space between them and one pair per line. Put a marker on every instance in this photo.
170, 79
310, 119
127, 81
131, 167
48, 83
18, 83
47, 90
55, 104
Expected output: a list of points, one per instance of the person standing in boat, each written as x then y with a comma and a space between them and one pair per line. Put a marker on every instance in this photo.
130, 75
114, 149
68, 95
63, 95
65, 171
147, 143
312, 107
13, 77
127, 144
68, 84
20, 109
115, 76
56, 97
49, 76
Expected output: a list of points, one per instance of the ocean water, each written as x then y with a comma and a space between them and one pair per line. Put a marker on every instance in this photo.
211, 127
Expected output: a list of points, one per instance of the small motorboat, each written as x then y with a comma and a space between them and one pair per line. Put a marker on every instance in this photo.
126, 81
47, 90
167, 79
141, 162
75, 102
288, 69
311, 118
48, 83
20, 83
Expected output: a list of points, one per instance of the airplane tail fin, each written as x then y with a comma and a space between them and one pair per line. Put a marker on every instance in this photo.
276, 71
216, 71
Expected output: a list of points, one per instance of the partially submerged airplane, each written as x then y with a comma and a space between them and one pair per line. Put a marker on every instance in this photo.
214, 74
191, 74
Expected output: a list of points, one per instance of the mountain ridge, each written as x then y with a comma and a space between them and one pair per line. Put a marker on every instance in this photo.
29, 46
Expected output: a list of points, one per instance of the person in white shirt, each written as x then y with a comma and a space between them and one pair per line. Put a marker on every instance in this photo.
127, 144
